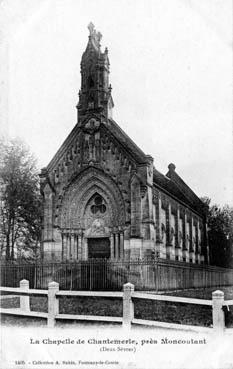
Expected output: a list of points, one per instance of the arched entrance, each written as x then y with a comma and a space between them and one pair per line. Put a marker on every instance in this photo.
92, 218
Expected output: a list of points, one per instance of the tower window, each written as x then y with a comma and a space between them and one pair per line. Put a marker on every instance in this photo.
90, 82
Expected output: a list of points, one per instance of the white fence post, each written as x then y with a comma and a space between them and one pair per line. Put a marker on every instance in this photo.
24, 300
128, 306
53, 303
217, 311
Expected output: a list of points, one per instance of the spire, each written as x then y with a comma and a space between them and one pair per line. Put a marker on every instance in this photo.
95, 93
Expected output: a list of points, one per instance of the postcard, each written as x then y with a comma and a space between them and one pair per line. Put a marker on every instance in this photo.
116, 184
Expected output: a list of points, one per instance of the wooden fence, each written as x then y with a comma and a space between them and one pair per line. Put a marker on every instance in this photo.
128, 295
110, 275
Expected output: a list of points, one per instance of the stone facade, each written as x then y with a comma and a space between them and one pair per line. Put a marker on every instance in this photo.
103, 196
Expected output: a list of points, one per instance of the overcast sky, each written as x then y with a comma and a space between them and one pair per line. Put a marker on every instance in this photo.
171, 73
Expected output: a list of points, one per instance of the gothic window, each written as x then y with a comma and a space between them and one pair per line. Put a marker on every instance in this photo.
91, 104
172, 233
180, 238
163, 230
91, 100
98, 205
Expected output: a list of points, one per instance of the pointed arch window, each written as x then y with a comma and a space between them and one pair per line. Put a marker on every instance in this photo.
90, 82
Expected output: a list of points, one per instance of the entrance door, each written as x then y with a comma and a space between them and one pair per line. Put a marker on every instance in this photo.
98, 275
98, 248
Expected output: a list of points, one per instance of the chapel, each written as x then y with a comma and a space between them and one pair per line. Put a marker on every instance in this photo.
103, 196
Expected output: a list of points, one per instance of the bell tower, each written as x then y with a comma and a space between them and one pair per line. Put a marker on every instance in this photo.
95, 93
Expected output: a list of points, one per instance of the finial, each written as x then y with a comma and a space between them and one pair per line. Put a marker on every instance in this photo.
98, 36
44, 170
171, 167
91, 28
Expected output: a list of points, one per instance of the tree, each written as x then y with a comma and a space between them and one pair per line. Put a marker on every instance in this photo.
19, 199
220, 225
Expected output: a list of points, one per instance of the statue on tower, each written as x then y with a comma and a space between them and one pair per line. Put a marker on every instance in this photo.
91, 28
96, 36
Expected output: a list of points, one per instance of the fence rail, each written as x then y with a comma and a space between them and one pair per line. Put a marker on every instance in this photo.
128, 295
140, 295
110, 275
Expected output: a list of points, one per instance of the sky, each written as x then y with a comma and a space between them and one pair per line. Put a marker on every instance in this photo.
171, 76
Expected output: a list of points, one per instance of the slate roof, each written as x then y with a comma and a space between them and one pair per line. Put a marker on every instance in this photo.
186, 190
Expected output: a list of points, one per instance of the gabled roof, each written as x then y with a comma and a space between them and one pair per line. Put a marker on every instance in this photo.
115, 130
126, 141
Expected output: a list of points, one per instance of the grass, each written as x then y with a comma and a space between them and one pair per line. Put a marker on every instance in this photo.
171, 312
